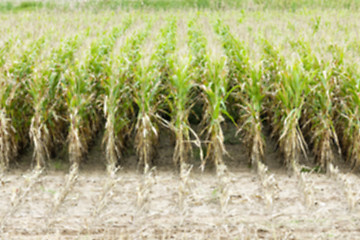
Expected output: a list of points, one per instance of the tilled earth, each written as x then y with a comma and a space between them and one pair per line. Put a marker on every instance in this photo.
86, 214
136, 206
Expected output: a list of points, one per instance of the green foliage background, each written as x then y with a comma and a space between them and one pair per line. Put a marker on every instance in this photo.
291, 5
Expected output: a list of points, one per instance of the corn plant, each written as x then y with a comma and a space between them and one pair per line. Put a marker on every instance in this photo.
82, 115
181, 102
252, 101
165, 49
47, 123
348, 115
319, 107
198, 56
6, 138
117, 101
292, 92
83, 88
14, 108
215, 94
249, 91
182, 94
98, 59
238, 60
197, 45
145, 91
149, 92
321, 115
289, 90
345, 77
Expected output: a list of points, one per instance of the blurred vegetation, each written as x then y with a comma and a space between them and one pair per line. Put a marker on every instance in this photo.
292, 5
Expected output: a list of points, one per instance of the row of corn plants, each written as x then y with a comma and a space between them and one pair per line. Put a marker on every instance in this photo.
83, 87
14, 107
288, 84
6, 151
183, 87
310, 103
188, 67
215, 89
148, 89
210, 75
249, 95
346, 77
288, 88
45, 95
319, 114
117, 107
248, 80
118, 95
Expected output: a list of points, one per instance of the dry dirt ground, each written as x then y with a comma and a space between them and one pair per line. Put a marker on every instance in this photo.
100, 207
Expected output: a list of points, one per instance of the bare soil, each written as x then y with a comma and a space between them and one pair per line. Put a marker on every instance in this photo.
82, 215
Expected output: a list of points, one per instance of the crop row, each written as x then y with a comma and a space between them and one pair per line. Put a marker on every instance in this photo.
59, 89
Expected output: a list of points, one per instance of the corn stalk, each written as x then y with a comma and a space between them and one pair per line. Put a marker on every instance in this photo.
289, 87
83, 88
249, 92
148, 93
348, 121
215, 94
14, 107
181, 103
146, 90
47, 123
319, 107
117, 101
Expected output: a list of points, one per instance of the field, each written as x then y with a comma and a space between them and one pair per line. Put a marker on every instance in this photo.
190, 123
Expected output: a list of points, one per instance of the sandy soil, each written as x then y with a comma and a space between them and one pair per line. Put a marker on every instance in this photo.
100, 207
245, 217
